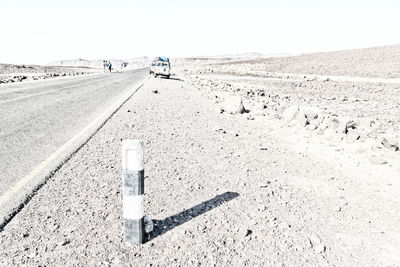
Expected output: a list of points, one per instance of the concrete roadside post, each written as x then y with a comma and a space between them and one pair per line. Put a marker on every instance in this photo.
133, 190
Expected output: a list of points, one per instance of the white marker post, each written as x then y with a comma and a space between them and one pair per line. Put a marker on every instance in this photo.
133, 190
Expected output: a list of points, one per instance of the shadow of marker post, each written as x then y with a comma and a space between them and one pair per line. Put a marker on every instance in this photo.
163, 226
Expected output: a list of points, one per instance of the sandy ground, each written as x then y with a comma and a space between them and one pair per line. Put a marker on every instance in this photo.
377, 62
251, 189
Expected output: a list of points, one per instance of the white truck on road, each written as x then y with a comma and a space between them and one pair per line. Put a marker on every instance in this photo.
160, 66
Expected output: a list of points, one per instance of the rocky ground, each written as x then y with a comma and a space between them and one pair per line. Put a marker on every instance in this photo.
239, 171
382, 62
360, 111
10, 73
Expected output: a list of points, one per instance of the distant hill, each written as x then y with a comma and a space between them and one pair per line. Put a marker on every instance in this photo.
252, 55
98, 63
378, 62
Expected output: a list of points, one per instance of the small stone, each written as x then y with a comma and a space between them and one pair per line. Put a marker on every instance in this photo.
33, 254
284, 225
344, 126
272, 224
55, 227
155, 91
65, 242
390, 143
311, 127
263, 185
234, 105
311, 114
316, 244
315, 123
250, 117
314, 239
245, 232
298, 119
290, 113
375, 160
319, 248
352, 136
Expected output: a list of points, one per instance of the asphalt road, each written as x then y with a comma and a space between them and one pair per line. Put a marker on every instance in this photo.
39, 117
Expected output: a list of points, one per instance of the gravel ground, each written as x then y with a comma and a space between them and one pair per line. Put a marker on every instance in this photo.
360, 101
378, 62
221, 189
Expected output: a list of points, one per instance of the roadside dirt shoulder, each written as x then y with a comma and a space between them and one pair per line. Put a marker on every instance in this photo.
221, 189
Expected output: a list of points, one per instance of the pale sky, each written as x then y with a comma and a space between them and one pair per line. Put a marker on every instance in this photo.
39, 31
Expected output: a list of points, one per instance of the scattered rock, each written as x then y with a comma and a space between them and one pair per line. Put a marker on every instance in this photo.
376, 160
284, 225
311, 127
65, 242
316, 243
346, 125
298, 119
250, 117
319, 248
245, 232
390, 143
264, 185
352, 136
314, 239
55, 227
290, 113
233, 105
311, 114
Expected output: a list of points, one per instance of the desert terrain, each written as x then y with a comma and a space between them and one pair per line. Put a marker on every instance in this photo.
14, 73
10, 73
291, 161
374, 62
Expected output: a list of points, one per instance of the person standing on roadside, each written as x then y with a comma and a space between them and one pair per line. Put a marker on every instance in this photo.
109, 66
105, 65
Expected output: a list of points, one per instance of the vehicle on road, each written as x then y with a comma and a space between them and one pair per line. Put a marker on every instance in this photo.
160, 66
152, 66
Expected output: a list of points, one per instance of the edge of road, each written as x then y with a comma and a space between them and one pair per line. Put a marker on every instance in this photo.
91, 74
19, 195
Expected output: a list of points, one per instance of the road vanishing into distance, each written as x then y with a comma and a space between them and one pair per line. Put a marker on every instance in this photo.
39, 117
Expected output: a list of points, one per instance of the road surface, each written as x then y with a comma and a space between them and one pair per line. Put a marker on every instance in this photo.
39, 117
